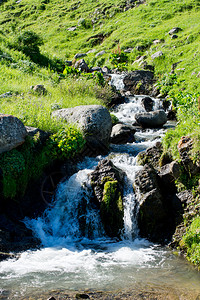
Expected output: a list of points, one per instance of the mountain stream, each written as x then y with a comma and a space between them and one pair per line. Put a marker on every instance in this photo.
67, 260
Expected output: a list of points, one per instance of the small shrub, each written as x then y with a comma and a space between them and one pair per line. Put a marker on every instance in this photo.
66, 143
118, 58
28, 42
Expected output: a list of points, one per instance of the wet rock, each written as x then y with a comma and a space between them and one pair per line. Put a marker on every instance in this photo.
152, 215
12, 132
122, 134
107, 184
94, 121
14, 236
184, 148
151, 156
147, 103
168, 174
81, 66
139, 82
171, 115
151, 119
157, 54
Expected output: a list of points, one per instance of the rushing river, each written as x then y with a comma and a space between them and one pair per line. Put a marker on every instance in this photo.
67, 260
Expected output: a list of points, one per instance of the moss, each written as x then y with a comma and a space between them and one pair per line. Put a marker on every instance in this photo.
191, 242
27, 162
112, 208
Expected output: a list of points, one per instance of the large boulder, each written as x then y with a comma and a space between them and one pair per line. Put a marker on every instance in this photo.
12, 132
122, 134
151, 119
139, 82
147, 103
107, 184
93, 120
151, 155
160, 208
168, 174
152, 216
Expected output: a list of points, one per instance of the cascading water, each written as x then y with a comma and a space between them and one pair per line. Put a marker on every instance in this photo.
75, 252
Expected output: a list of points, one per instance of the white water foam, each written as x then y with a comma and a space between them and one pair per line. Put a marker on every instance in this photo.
76, 258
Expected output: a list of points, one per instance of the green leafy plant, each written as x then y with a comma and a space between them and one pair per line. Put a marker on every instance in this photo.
191, 240
28, 42
118, 59
66, 143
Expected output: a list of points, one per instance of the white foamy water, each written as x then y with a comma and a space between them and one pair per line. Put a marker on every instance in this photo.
77, 257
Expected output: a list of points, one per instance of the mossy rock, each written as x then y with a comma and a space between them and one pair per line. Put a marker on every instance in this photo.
111, 208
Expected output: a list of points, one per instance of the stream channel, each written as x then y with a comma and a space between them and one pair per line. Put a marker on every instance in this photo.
68, 261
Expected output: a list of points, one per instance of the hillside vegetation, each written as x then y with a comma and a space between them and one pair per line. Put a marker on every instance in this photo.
38, 38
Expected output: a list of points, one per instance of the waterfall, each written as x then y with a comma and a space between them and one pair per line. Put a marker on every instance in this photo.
75, 253
72, 215
117, 81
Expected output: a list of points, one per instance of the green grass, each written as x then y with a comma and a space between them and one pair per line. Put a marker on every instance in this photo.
100, 25
191, 241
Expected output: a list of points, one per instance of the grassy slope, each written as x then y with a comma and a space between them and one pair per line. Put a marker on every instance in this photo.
139, 26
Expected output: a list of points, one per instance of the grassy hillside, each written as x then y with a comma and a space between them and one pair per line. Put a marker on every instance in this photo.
99, 25
37, 38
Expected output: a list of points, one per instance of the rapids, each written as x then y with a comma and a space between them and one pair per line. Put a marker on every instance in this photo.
73, 258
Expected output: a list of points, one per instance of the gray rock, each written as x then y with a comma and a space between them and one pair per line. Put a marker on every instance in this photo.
157, 54
168, 174
152, 214
6, 95
151, 119
12, 132
174, 36
91, 51
155, 42
72, 28
39, 89
141, 77
100, 53
81, 66
42, 135
151, 156
122, 134
174, 30
94, 121
128, 50
106, 175
96, 69
79, 55
184, 147
147, 103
